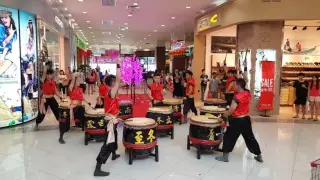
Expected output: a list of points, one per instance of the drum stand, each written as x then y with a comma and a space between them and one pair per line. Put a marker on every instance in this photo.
168, 129
132, 152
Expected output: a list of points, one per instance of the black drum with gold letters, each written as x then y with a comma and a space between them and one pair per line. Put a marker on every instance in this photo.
139, 138
164, 118
205, 133
212, 110
175, 105
215, 102
64, 117
94, 125
125, 109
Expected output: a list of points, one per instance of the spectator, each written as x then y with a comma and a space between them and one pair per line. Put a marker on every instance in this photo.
204, 80
301, 87
214, 85
314, 98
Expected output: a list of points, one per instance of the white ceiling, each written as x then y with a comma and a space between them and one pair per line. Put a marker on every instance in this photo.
149, 17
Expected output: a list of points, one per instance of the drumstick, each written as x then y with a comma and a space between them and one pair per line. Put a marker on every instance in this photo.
88, 103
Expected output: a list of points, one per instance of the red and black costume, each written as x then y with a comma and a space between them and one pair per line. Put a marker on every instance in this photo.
77, 95
49, 90
189, 101
229, 92
240, 123
111, 106
156, 94
102, 92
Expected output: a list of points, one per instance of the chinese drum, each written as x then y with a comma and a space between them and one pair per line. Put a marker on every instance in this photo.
212, 110
215, 102
139, 138
125, 109
64, 117
94, 125
205, 133
175, 105
164, 119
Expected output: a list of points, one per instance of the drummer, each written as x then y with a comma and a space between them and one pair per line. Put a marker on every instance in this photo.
189, 101
49, 90
230, 87
111, 106
239, 123
155, 93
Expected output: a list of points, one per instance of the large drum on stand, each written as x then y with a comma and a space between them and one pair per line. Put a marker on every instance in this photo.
64, 116
164, 118
215, 102
175, 105
125, 110
205, 133
94, 125
212, 110
139, 138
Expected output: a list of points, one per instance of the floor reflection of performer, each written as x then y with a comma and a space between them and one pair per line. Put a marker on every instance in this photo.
155, 94
111, 106
239, 123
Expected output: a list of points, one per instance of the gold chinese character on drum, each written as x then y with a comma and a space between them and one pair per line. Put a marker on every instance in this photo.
95, 124
175, 105
205, 133
139, 138
164, 118
125, 109
64, 116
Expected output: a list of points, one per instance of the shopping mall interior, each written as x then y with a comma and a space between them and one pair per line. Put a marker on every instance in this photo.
83, 81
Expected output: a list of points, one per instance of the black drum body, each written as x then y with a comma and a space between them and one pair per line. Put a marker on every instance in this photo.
64, 119
125, 111
176, 112
165, 123
95, 126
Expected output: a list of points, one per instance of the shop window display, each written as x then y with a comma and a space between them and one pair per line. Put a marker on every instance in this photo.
18, 71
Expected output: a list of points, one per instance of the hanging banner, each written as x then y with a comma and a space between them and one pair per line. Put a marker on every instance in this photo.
267, 85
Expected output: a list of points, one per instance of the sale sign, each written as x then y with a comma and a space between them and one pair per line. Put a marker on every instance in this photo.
267, 85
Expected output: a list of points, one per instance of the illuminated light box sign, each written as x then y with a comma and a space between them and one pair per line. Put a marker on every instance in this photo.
208, 22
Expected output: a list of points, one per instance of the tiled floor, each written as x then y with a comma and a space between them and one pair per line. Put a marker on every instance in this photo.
287, 150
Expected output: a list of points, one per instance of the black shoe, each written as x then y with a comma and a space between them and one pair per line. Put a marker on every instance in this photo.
258, 158
61, 141
115, 156
100, 173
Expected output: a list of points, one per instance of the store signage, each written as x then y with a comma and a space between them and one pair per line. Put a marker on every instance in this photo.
58, 21
81, 44
267, 85
178, 45
207, 22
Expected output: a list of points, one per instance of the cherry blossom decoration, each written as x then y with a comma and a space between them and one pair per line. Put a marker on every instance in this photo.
131, 70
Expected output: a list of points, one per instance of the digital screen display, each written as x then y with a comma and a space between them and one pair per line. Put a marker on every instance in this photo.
16, 59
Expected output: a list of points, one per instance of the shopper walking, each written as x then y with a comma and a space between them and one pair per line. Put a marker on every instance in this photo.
314, 98
214, 85
239, 124
301, 87
203, 85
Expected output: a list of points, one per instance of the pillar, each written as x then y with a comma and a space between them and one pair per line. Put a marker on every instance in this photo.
199, 56
160, 55
262, 35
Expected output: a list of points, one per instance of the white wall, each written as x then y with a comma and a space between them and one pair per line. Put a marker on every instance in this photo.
216, 57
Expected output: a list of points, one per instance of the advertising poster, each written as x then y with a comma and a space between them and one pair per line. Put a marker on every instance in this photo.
10, 77
223, 44
29, 76
267, 85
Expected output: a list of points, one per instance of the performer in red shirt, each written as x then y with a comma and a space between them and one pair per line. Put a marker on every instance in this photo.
47, 99
189, 99
111, 106
239, 123
230, 87
102, 92
156, 89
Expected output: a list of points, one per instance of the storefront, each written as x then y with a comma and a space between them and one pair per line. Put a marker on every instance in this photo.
246, 33
82, 56
25, 37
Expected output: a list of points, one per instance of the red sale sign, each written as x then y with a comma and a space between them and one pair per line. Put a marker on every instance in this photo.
267, 85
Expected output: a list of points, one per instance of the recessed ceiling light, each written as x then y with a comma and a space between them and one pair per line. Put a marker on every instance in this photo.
75, 24
202, 11
155, 30
70, 15
88, 21
72, 20
91, 32
135, 4
144, 38
84, 12
80, 0
163, 25
188, 7
90, 27
129, 15
93, 36
60, 1
125, 24
149, 35
66, 9
151, 45
173, 17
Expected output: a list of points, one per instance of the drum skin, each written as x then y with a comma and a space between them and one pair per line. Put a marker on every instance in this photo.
125, 111
160, 118
64, 119
215, 102
95, 124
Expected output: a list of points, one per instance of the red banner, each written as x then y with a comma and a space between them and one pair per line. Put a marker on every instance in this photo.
267, 85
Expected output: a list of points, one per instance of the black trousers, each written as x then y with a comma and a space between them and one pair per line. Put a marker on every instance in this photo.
229, 98
79, 117
189, 105
84, 87
157, 104
107, 149
63, 88
240, 126
54, 107
100, 105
